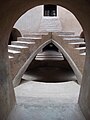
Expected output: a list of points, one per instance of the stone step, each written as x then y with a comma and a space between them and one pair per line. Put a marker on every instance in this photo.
13, 53
65, 33
22, 43
17, 48
29, 39
69, 36
48, 56
83, 54
49, 30
49, 20
27, 77
10, 57
77, 44
35, 35
73, 40
61, 58
81, 49
50, 24
32, 35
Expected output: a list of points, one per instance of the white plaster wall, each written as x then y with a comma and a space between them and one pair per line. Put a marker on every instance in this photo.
69, 21
30, 21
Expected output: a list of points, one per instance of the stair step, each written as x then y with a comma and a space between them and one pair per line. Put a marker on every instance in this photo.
83, 54
48, 56
17, 48
28, 39
81, 49
37, 35
10, 57
66, 33
61, 58
50, 30
50, 24
32, 36
71, 40
13, 53
50, 53
77, 44
69, 36
27, 77
22, 43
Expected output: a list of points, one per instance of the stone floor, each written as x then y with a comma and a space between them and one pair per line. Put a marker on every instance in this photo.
47, 101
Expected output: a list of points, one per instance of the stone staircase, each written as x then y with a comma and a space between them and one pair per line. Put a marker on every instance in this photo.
50, 24
49, 55
77, 43
19, 51
22, 51
75, 48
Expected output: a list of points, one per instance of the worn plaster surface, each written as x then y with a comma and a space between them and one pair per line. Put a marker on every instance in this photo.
47, 101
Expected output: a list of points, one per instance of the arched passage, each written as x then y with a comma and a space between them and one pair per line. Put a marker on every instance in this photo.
14, 34
16, 8
19, 75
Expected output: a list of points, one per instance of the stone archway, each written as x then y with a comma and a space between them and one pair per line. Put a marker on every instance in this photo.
19, 75
14, 34
11, 12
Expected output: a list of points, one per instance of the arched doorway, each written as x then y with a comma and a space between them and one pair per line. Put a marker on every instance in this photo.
76, 7
43, 92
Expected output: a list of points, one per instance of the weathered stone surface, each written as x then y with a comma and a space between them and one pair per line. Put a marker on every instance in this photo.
74, 58
45, 101
10, 11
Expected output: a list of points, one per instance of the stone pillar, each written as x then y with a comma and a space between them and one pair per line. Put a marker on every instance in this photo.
7, 97
84, 98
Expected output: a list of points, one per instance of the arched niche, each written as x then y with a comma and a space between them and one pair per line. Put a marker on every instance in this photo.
14, 34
